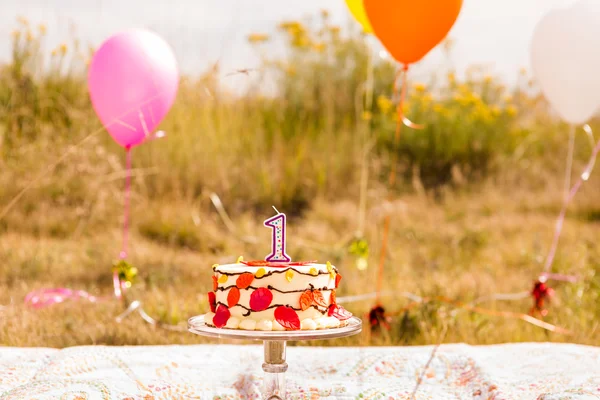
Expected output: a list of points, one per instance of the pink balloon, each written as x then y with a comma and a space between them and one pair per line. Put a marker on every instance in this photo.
133, 81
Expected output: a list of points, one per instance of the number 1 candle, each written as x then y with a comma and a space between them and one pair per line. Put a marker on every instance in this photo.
277, 225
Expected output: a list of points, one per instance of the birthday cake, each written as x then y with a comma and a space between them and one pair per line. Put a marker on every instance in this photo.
275, 294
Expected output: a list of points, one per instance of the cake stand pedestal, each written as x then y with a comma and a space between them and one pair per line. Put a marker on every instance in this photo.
274, 343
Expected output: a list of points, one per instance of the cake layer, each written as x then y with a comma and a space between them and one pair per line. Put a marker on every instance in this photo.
252, 295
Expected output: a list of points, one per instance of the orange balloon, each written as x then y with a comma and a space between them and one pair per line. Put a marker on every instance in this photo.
409, 29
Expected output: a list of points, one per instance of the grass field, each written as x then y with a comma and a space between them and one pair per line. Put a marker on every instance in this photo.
473, 214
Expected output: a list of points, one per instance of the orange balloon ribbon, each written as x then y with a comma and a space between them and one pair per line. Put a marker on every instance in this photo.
409, 29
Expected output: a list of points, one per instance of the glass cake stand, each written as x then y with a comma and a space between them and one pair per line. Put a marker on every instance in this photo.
274, 347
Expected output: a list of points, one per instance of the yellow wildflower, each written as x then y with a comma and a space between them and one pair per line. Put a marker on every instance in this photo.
384, 103
523, 71
451, 78
42, 28
290, 70
495, 111
511, 110
508, 99
29, 36
448, 44
16, 34
319, 47
22, 20
420, 87
488, 79
334, 29
63, 49
366, 115
324, 13
258, 38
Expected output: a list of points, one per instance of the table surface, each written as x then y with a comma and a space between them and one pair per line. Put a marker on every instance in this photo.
220, 371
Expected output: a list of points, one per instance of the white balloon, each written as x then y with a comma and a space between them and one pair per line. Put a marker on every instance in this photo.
565, 57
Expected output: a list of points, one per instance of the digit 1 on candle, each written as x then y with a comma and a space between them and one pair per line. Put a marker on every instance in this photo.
277, 224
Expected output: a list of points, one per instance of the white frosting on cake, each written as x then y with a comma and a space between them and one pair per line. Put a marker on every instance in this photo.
286, 284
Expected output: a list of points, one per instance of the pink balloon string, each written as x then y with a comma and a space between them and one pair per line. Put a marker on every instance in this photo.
585, 175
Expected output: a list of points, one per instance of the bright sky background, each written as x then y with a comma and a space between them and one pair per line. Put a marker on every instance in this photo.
491, 32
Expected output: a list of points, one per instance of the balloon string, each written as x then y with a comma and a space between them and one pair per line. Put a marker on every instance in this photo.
585, 175
392, 177
117, 284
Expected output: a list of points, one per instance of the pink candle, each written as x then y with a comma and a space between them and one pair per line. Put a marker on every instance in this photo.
277, 224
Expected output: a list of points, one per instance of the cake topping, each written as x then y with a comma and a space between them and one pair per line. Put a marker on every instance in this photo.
319, 300
222, 314
338, 278
212, 301
260, 299
260, 273
332, 298
240, 260
313, 271
223, 278
339, 312
215, 266
330, 270
287, 317
233, 296
306, 300
215, 283
289, 275
244, 280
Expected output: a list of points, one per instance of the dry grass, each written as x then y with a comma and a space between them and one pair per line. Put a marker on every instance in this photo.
467, 246
473, 215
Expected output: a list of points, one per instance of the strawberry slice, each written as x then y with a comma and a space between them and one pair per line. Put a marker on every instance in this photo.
261, 299
212, 301
339, 312
287, 317
221, 316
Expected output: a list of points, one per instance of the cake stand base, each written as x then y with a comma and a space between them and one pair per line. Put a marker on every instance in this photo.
274, 343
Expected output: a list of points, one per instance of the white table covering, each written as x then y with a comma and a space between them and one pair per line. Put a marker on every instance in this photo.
533, 371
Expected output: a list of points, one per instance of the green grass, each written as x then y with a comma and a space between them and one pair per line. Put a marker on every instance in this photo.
472, 215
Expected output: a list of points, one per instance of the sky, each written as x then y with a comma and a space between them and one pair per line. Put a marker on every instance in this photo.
493, 33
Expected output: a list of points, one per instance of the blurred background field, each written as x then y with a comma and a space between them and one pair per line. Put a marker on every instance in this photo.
473, 214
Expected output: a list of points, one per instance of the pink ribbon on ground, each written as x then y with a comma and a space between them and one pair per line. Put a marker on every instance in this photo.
45, 297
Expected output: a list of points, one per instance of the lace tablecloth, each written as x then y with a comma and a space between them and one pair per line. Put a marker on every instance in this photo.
509, 371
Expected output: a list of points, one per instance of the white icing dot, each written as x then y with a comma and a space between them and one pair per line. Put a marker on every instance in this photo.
248, 324
264, 325
208, 318
333, 322
308, 324
277, 326
322, 323
233, 323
